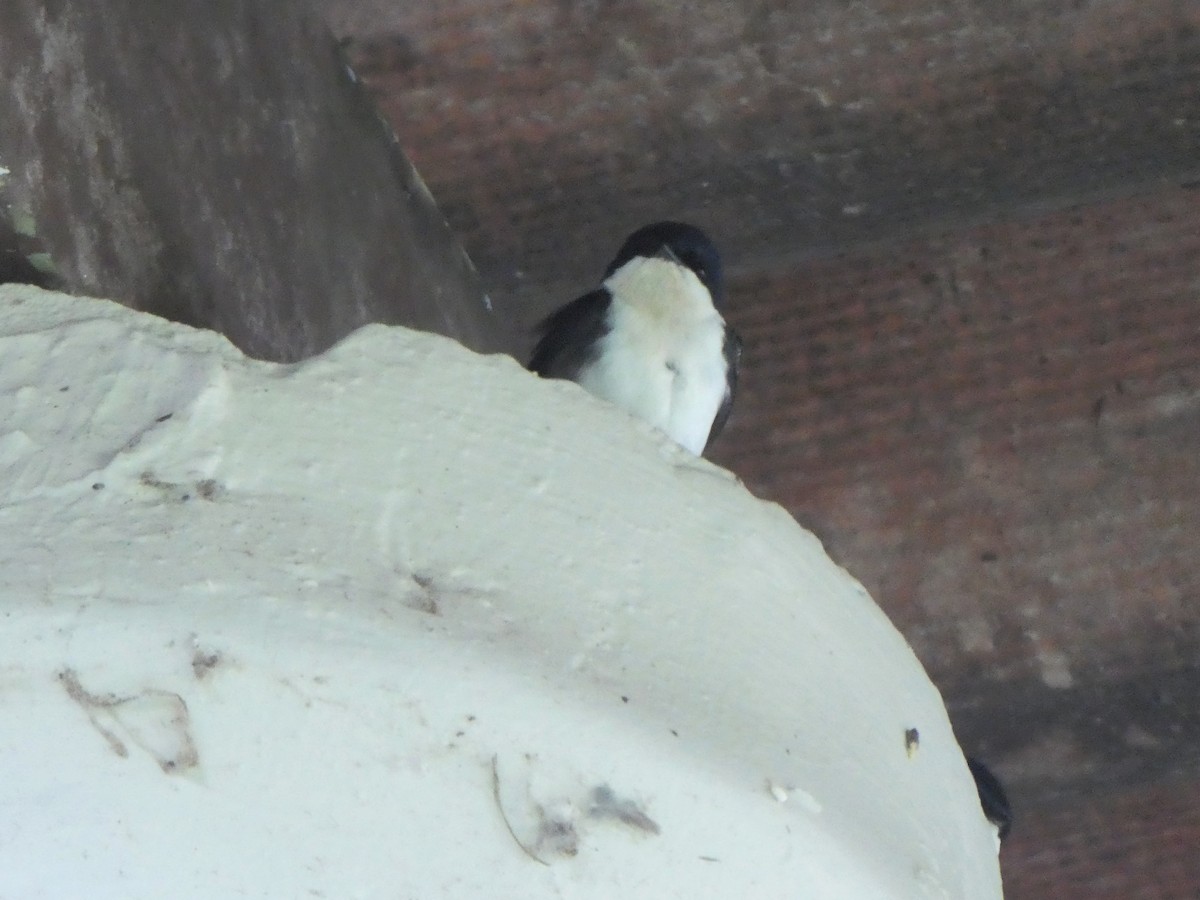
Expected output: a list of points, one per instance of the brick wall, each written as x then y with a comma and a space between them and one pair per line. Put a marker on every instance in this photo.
996, 430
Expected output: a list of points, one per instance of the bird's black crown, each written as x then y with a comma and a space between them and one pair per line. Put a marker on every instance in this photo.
688, 243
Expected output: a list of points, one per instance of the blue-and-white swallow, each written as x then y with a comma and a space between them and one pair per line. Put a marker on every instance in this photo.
651, 338
992, 798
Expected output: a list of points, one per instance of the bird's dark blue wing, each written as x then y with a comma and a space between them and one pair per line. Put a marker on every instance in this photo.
992, 797
733, 360
570, 336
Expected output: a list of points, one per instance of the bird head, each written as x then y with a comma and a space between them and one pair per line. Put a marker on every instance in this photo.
685, 245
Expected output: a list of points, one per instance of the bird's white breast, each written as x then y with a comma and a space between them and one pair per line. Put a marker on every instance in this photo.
663, 358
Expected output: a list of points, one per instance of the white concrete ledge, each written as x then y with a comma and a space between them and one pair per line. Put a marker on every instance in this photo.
404, 621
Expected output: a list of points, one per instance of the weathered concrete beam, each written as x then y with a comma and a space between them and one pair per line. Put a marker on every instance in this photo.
219, 164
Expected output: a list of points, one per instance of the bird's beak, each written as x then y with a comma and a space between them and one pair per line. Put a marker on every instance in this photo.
665, 252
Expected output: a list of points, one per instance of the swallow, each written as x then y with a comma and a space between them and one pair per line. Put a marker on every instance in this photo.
651, 338
992, 798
